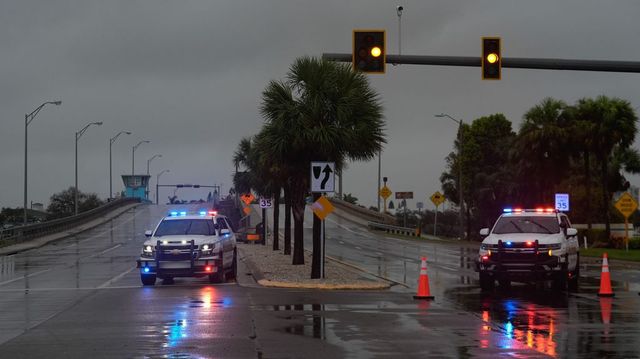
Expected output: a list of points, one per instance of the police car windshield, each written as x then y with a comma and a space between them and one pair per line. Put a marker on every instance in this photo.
178, 227
526, 224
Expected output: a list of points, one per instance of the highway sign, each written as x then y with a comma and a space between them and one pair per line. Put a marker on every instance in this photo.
323, 177
385, 192
437, 198
322, 207
404, 195
266, 202
562, 202
246, 210
626, 204
247, 198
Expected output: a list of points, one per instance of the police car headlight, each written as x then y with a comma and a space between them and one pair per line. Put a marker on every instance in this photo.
147, 251
207, 249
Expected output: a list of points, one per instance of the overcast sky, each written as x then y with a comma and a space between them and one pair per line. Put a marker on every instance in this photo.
188, 76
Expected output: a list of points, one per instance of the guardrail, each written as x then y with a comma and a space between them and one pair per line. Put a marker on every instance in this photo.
413, 232
24, 233
367, 213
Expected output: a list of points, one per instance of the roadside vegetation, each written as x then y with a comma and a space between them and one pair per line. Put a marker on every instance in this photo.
321, 111
583, 149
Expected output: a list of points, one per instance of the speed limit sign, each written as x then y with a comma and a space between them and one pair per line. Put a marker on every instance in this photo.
266, 202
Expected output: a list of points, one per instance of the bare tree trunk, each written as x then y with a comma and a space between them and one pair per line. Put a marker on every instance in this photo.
276, 220
605, 197
298, 206
287, 220
317, 244
587, 182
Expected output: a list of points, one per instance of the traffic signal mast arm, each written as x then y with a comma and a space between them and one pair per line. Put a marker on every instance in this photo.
511, 62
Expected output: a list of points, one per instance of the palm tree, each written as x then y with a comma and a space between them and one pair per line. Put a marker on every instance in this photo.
323, 112
612, 128
540, 150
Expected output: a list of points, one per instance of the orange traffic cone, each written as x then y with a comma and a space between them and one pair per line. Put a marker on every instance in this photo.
605, 279
423, 285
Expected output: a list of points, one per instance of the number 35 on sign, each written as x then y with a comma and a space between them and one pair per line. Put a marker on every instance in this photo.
266, 202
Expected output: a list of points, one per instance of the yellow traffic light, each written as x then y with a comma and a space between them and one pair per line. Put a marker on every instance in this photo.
369, 51
491, 58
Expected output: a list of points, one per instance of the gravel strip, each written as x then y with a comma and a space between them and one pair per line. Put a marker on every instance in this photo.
277, 271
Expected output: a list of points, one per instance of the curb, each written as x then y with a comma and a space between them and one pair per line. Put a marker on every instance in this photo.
261, 280
42, 241
322, 286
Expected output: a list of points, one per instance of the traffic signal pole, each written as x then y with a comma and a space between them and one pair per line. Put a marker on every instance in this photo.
507, 62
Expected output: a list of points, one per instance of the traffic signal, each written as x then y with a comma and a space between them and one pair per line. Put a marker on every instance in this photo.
369, 52
491, 58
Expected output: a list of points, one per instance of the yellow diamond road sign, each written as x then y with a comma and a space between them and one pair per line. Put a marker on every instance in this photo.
322, 207
437, 198
385, 192
626, 204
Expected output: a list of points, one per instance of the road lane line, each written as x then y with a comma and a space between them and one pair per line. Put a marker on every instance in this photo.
24, 277
105, 231
116, 278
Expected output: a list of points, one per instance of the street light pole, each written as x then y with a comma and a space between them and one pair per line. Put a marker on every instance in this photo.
78, 135
133, 156
459, 135
27, 120
111, 141
158, 185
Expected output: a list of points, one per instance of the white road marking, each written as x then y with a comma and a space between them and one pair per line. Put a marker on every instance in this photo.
116, 278
341, 242
24, 277
358, 248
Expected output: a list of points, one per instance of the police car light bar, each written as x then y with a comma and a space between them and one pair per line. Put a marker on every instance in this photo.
520, 210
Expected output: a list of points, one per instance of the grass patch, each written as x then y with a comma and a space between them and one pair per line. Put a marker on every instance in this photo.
631, 255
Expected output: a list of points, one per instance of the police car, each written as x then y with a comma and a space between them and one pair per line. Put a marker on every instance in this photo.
527, 245
189, 245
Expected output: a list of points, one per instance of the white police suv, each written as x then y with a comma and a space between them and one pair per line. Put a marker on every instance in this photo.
186, 245
527, 245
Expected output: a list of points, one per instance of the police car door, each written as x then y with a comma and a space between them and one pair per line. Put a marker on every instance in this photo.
572, 243
227, 256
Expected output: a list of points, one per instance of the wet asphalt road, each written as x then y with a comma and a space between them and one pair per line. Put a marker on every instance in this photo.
81, 297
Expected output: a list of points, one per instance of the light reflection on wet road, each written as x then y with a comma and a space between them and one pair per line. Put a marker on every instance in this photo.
81, 296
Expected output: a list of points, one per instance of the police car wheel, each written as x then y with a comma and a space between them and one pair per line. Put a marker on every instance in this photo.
148, 279
575, 275
234, 266
218, 277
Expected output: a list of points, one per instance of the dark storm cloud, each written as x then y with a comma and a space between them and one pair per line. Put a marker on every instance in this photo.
188, 75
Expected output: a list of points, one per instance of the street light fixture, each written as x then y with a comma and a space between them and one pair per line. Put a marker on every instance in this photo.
27, 120
148, 162
158, 184
133, 156
151, 159
78, 135
461, 209
111, 141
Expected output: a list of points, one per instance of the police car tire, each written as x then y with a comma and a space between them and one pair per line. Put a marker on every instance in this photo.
148, 279
575, 276
234, 266
218, 277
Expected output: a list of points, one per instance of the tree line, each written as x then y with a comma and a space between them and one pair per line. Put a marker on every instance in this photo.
582, 149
